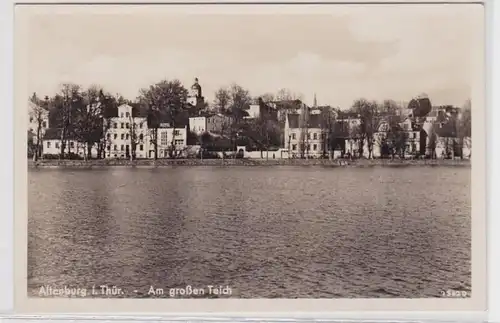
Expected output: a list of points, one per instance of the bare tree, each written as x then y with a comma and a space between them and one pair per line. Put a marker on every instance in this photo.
397, 139
109, 109
382, 141
38, 114
285, 102
368, 112
233, 101
268, 98
87, 121
285, 94
164, 100
222, 100
391, 108
304, 132
327, 130
136, 138
464, 127
64, 106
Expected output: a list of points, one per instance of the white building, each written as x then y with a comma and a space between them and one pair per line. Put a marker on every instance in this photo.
303, 140
253, 111
165, 136
216, 123
124, 132
52, 145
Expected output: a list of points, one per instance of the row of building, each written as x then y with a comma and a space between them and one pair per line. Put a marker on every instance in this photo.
303, 133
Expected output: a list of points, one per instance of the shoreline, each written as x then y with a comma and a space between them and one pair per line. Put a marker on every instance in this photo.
149, 163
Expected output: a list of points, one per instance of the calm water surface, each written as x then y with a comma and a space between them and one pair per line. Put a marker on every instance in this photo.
290, 232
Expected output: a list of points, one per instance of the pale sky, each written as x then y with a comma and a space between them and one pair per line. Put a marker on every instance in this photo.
344, 53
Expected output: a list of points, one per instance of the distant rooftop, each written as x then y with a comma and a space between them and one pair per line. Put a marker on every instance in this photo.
314, 121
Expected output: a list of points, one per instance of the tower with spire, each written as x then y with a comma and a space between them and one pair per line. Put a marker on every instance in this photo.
195, 97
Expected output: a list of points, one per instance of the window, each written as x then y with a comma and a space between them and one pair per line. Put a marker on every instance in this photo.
179, 142
44, 124
127, 136
122, 136
115, 136
31, 119
294, 147
141, 136
108, 135
309, 136
109, 147
127, 125
115, 125
315, 136
115, 148
163, 139
177, 133
293, 136
121, 115
127, 114
48, 144
315, 147
72, 144
141, 147
140, 125
57, 145
127, 148
121, 147
121, 125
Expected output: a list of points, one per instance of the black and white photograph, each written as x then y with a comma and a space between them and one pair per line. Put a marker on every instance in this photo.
205, 153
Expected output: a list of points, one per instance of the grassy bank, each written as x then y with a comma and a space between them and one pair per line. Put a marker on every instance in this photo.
243, 162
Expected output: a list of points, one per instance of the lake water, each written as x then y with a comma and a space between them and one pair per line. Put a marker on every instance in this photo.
288, 232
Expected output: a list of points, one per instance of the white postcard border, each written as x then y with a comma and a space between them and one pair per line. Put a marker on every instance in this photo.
434, 305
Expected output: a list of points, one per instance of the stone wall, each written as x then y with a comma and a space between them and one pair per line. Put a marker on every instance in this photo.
242, 162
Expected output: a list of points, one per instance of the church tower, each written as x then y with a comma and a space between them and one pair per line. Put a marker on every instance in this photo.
195, 97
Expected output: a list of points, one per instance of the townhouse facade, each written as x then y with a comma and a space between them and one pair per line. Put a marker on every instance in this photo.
170, 141
304, 140
52, 144
126, 134
215, 123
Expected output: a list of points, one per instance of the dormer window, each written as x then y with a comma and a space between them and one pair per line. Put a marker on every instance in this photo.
121, 115
127, 114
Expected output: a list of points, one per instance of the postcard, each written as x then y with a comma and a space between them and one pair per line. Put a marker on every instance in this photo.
237, 158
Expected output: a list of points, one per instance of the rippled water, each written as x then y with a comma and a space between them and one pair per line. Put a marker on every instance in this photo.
266, 232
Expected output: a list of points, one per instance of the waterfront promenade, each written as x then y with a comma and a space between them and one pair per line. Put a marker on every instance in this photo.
246, 162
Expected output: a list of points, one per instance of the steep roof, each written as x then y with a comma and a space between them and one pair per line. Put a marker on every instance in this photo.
314, 121
55, 133
446, 129
420, 106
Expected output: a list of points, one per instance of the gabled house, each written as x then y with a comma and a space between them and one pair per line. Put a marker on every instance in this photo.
52, 144
126, 133
304, 136
212, 123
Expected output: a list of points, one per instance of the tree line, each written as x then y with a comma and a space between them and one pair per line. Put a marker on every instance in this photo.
84, 114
